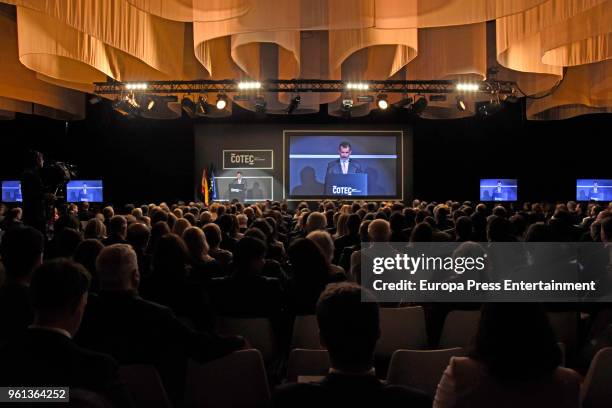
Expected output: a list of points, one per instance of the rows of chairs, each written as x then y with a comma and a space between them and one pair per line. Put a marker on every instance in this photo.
239, 380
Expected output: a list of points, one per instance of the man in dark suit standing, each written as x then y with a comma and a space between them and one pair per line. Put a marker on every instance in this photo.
344, 164
349, 329
240, 180
33, 192
45, 355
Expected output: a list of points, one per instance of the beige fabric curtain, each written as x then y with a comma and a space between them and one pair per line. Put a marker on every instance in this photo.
67, 45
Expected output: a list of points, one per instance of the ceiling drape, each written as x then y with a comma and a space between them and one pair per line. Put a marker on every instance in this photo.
64, 46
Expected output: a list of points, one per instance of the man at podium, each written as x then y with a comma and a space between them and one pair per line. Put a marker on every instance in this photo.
237, 188
344, 164
240, 180
344, 176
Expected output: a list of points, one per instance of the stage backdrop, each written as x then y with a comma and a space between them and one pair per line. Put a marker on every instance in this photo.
261, 154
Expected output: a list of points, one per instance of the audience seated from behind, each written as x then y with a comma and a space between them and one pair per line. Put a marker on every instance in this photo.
203, 266
213, 238
133, 330
117, 231
22, 251
349, 328
44, 354
514, 363
246, 293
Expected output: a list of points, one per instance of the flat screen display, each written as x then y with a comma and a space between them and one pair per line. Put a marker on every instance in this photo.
343, 164
11, 191
594, 190
498, 189
84, 190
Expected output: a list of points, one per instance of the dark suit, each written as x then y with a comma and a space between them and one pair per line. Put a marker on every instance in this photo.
334, 167
33, 193
241, 181
338, 390
134, 330
15, 311
47, 358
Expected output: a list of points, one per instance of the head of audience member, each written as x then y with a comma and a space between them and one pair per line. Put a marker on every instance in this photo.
158, 230
397, 222
95, 229
516, 342
108, 213
58, 293
499, 229
66, 221
422, 232
180, 226
117, 227
324, 242
349, 327
519, 225
15, 214
464, 228
606, 230
171, 220
213, 235
178, 212
195, 240
226, 224
66, 242
379, 231
191, 218
254, 232
315, 221
249, 259
363, 230
86, 254
117, 268
309, 265
352, 224
22, 251
243, 221
170, 258
138, 236
205, 218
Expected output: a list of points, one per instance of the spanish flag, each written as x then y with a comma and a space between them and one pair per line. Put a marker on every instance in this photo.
205, 186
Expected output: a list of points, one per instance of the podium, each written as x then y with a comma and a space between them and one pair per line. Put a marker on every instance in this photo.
237, 191
343, 185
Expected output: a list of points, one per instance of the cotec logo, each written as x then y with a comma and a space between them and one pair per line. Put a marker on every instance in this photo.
242, 159
343, 190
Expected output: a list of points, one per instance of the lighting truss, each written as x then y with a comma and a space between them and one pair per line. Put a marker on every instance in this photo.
307, 85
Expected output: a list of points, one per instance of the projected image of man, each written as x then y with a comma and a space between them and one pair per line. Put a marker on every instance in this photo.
344, 164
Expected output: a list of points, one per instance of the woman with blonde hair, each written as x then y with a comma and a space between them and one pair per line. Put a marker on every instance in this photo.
95, 229
203, 265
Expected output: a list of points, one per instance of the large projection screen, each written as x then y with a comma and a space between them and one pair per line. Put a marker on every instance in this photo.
343, 164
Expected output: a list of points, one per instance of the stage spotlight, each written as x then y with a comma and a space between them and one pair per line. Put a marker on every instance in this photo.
347, 104
136, 86
188, 106
489, 108
260, 104
358, 86
201, 107
221, 101
126, 106
467, 87
402, 103
419, 105
150, 103
248, 85
461, 105
382, 102
293, 105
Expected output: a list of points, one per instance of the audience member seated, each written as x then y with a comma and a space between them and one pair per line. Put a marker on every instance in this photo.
117, 231
310, 273
514, 363
246, 293
45, 354
94, 229
133, 330
22, 251
326, 245
170, 284
138, 236
349, 239
203, 266
213, 237
12, 220
349, 328
86, 254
